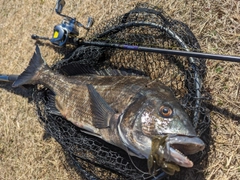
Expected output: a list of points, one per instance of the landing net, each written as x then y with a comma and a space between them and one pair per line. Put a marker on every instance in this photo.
145, 25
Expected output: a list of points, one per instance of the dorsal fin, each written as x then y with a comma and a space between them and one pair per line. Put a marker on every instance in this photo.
51, 105
77, 68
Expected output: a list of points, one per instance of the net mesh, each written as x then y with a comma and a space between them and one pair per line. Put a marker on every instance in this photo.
145, 25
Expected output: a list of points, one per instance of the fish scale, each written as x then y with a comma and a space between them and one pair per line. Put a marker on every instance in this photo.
73, 99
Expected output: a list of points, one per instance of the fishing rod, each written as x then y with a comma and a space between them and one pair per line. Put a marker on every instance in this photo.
153, 50
12, 78
166, 51
67, 33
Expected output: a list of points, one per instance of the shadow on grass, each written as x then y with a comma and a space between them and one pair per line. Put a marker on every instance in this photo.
225, 112
25, 91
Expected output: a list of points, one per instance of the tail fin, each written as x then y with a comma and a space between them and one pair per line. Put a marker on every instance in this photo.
27, 77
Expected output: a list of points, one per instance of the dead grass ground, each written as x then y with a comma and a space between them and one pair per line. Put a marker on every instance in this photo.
23, 152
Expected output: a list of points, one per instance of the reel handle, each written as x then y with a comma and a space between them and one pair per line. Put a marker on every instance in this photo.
89, 23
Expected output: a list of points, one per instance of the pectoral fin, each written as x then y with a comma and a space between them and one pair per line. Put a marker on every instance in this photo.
101, 111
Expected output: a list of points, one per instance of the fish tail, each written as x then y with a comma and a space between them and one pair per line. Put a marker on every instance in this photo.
30, 75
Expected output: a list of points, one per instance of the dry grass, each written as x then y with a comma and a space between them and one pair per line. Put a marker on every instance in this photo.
23, 152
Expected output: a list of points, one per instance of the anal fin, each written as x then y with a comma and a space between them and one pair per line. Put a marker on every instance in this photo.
51, 106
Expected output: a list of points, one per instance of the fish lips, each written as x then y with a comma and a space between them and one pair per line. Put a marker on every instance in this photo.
177, 147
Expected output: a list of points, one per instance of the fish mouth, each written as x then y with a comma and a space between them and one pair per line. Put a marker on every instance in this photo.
178, 147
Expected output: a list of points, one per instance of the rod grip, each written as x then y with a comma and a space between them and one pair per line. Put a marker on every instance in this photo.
8, 78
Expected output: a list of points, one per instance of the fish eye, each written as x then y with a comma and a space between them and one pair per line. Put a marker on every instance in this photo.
166, 111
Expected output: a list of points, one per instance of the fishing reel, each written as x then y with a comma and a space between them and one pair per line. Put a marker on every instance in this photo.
67, 32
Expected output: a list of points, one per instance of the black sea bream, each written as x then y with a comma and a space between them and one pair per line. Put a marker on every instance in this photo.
126, 111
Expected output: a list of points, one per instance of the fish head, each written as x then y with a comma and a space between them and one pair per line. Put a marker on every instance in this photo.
158, 113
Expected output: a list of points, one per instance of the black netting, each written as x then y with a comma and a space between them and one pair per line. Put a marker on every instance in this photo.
146, 26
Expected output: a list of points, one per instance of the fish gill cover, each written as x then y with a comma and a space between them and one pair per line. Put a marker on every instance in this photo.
145, 25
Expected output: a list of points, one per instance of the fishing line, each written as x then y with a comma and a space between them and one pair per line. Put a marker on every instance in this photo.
161, 175
143, 172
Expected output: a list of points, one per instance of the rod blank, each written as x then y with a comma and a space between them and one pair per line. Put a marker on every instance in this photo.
167, 51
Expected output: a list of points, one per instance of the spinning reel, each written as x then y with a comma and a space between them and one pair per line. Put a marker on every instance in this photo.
66, 32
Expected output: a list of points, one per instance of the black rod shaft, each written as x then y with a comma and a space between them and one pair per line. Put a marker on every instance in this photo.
166, 51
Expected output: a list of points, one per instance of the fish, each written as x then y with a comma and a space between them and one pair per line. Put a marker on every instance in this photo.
130, 112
